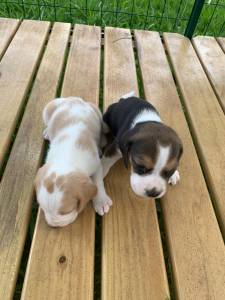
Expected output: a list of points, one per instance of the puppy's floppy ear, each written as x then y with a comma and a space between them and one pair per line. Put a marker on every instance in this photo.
78, 190
125, 143
88, 191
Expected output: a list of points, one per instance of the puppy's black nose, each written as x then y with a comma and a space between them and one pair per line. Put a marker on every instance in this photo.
152, 193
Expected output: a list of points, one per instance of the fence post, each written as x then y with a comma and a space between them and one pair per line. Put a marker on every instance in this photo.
193, 20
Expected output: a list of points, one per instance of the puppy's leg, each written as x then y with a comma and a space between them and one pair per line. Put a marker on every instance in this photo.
108, 162
174, 178
101, 201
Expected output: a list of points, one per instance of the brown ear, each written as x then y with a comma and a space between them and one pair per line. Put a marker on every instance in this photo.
39, 176
78, 191
86, 190
90, 189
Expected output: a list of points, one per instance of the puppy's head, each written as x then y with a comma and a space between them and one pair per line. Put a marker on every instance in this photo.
63, 197
154, 151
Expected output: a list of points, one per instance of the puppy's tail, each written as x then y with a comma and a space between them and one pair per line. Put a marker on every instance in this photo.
128, 95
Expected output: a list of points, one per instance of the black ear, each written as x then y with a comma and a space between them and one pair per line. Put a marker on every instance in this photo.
125, 143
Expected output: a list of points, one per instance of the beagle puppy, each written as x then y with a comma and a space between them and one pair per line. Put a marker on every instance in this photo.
72, 174
153, 149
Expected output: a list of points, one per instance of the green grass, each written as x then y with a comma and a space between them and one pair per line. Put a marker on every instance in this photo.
160, 15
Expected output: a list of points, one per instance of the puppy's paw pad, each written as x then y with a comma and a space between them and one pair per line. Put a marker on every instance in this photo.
102, 205
175, 178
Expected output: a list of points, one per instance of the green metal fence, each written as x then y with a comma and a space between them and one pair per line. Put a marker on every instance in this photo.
183, 16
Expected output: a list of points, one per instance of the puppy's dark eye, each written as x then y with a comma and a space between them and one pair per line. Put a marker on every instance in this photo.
168, 173
141, 170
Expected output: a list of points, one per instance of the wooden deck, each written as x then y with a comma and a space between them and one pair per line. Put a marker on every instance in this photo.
175, 254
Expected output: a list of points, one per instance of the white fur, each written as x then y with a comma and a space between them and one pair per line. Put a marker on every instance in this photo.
128, 95
140, 184
145, 116
175, 178
66, 157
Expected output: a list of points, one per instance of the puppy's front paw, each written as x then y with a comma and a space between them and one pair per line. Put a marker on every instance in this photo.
102, 204
45, 134
174, 178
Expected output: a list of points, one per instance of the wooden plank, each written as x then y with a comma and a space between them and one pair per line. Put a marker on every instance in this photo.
50, 276
16, 189
17, 69
205, 114
8, 28
212, 58
195, 243
84, 61
132, 259
221, 41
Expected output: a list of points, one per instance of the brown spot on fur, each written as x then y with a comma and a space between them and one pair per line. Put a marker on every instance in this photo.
171, 164
62, 120
60, 181
40, 175
85, 141
78, 190
145, 160
49, 182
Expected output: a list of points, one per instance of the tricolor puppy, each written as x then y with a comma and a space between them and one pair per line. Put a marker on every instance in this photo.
72, 174
152, 148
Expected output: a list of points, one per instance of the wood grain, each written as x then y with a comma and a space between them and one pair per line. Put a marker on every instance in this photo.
83, 69
17, 69
16, 189
205, 116
61, 263
195, 243
221, 41
212, 58
132, 257
8, 28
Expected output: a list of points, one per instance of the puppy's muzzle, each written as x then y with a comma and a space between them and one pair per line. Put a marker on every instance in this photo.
154, 193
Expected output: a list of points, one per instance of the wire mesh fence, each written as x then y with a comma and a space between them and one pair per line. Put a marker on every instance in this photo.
159, 15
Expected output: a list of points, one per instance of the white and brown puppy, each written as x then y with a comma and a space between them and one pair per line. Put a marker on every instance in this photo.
153, 149
72, 174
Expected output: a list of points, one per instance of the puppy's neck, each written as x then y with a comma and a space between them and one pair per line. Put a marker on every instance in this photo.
146, 115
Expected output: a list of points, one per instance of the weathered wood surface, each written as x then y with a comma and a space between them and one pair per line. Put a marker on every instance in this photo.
213, 60
16, 75
190, 223
206, 118
132, 257
61, 264
8, 28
